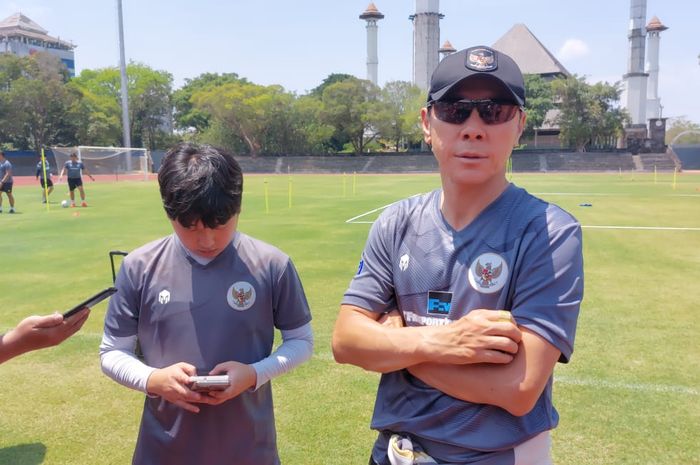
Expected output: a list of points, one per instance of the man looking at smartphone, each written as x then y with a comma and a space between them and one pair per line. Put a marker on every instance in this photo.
205, 301
466, 297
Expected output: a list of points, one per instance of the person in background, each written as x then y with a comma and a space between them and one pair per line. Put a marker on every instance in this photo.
43, 175
6, 181
75, 168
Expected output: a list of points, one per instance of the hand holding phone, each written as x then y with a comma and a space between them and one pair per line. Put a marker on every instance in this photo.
209, 383
94, 300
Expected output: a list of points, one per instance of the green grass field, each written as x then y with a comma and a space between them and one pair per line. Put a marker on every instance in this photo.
631, 394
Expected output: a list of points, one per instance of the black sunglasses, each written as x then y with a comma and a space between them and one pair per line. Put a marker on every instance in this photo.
491, 111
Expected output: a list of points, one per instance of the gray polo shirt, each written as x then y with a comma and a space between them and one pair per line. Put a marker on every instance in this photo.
73, 169
183, 311
6, 166
520, 254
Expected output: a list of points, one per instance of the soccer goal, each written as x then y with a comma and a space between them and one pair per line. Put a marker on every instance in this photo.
127, 163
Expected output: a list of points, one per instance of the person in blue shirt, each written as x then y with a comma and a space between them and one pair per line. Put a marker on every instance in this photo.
6, 181
466, 297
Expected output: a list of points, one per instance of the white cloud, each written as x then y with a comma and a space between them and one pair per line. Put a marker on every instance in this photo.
572, 49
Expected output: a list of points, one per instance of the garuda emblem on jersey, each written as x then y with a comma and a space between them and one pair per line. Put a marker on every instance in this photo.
488, 273
241, 296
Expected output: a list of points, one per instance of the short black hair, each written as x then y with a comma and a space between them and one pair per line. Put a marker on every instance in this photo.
200, 182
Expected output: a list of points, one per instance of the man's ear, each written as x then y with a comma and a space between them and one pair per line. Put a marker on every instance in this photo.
425, 123
522, 120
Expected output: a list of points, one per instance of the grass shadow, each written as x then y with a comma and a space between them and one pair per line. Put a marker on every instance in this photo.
23, 454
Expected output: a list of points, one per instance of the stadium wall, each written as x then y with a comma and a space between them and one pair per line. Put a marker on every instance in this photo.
24, 162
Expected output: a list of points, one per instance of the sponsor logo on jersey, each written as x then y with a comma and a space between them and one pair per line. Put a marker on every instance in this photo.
241, 295
488, 273
403, 262
360, 266
439, 303
164, 296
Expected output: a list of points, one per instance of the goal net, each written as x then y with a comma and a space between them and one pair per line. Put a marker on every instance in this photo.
127, 163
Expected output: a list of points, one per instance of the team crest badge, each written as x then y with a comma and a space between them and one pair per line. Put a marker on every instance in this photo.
481, 59
488, 273
241, 296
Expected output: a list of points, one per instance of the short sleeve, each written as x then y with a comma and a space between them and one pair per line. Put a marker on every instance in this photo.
372, 287
549, 287
291, 309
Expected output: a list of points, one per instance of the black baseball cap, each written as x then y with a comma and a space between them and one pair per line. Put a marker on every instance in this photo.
476, 61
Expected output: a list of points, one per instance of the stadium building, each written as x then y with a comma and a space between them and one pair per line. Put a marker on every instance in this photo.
22, 36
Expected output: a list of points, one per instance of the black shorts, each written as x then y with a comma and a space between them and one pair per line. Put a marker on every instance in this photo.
6, 187
49, 183
74, 182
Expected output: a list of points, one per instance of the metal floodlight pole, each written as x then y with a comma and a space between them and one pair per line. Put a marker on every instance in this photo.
124, 89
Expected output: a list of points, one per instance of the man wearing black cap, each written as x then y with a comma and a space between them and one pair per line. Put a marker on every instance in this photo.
466, 297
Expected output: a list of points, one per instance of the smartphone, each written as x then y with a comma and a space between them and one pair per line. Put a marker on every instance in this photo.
94, 300
209, 383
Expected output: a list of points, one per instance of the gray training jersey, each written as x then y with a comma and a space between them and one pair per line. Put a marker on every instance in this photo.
520, 254
5, 166
226, 310
73, 170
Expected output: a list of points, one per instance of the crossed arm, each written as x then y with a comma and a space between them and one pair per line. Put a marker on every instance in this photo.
479, 358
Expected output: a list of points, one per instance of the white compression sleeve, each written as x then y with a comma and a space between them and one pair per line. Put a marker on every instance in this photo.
296, 348
119, 362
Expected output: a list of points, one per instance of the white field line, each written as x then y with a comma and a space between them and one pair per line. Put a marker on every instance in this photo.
590, 382
641, 228
608, 194
352, 220
645, 387
635, 228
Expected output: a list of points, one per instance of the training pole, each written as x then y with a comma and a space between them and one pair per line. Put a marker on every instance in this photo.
267, 197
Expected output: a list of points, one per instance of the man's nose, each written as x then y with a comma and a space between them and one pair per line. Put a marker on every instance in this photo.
473, 127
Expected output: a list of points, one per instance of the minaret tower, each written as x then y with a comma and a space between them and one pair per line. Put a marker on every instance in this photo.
372, 15
446, 49
636, 78
654, 29
426, 41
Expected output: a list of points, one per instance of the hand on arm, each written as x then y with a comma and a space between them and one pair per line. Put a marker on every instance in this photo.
38, 332
515, 386
481, 336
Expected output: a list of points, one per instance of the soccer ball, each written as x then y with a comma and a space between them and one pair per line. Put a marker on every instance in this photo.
65, 203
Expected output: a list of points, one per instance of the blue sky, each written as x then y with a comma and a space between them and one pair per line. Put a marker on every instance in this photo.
298, 43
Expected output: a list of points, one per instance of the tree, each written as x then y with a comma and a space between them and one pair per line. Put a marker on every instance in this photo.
149, 101
588, 114
331, 79
397, 117
36, 102
347, 106
247, 109
186, 115
538, 103
682, 125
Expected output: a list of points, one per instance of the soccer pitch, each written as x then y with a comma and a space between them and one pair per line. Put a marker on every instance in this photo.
631, 394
